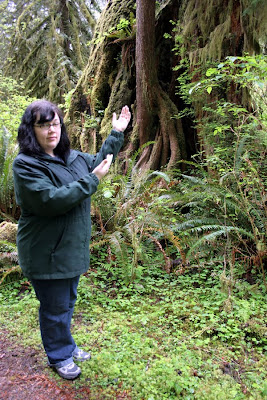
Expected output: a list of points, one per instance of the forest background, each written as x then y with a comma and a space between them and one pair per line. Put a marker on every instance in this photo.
177, 278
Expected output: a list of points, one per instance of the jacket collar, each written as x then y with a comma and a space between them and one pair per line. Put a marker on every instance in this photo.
46, 157
73, 154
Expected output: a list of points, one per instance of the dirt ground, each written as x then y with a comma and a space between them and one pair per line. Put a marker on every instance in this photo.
24, 375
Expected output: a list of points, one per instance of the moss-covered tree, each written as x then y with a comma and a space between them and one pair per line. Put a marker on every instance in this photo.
49, 43
206, 33
108, 81
200, 32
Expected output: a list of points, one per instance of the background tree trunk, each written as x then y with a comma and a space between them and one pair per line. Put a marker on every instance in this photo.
108, 81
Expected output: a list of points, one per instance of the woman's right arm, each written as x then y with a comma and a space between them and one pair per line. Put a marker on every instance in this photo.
36, 193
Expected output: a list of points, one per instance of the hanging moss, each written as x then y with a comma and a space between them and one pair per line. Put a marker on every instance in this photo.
215, 47
105, 79
59, 27
213, 29
120, 95
254, 22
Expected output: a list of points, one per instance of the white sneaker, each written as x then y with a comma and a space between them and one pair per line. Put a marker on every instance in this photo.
80, 355
69, 371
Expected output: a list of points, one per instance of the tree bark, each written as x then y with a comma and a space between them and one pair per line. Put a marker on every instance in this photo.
146, 76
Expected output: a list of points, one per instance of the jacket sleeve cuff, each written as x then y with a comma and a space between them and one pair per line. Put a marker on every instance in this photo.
117, 132
95, 178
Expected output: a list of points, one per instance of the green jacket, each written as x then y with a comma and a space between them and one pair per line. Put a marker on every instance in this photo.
55, 225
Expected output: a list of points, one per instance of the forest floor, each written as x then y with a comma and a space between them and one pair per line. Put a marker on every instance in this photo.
24, 375
161, 339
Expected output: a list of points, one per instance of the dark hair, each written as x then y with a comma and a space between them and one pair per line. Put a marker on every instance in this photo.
45, 111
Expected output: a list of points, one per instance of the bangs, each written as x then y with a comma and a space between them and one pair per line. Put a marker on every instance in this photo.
42, 111
46, 114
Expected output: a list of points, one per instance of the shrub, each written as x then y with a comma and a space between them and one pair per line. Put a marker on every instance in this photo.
226, 197
12, 107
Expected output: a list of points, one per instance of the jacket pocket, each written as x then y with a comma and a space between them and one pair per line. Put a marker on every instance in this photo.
59, 240
72, 248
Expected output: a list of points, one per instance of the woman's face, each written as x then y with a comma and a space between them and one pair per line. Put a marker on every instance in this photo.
48, 134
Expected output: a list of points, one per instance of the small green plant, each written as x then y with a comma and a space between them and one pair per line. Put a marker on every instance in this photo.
125, 28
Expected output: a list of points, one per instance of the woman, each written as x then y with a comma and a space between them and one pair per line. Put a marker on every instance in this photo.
53, 186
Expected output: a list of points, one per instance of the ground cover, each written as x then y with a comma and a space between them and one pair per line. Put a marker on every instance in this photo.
161, 337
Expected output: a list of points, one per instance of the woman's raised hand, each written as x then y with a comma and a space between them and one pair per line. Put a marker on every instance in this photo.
122, 122
119, 125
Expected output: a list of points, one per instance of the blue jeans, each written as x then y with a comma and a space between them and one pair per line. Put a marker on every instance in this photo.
57, 299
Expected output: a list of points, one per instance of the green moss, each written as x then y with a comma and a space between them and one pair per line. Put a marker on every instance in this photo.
100, 78
120, 95
8, 231
214, 48
210, 28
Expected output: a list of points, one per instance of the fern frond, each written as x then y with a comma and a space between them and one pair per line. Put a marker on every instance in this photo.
159, 246
195, 180
194, 223
159, 174
168, 234
221, 231
98, 243
118, 244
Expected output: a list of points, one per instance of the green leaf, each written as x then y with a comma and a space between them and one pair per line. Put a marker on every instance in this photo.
162, 175
211, 71
107, 194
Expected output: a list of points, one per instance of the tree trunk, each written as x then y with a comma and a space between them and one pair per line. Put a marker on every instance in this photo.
155, 110
146, 75
108, 81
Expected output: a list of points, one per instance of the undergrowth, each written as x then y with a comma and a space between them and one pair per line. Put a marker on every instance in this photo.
164, 336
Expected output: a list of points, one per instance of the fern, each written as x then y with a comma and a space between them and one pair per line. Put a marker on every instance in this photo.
221, 231
225, 209
138, 212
